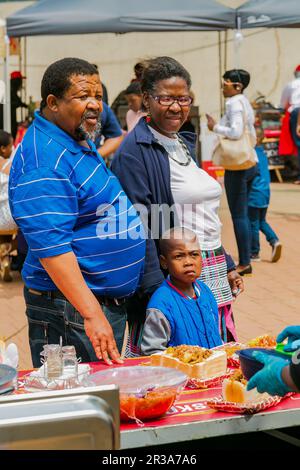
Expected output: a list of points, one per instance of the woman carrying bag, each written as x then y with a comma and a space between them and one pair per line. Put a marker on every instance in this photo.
235, 152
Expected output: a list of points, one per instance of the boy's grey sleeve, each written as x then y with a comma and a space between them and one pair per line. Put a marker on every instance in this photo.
156, 333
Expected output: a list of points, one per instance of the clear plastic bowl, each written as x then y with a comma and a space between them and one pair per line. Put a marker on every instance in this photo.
145, 392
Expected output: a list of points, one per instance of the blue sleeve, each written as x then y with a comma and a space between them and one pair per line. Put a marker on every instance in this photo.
110, 125
45, 207
135, 182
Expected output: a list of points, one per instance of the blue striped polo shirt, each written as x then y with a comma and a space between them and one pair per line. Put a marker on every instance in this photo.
63, 198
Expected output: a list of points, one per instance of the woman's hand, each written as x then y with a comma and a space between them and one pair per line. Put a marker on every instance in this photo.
298, 130
210, 122
236, 283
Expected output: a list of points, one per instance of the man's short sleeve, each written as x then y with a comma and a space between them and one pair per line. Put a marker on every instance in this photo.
110, 125
44, 205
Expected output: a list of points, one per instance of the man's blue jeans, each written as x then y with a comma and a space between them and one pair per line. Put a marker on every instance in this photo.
258, 223
237, 186
49, 318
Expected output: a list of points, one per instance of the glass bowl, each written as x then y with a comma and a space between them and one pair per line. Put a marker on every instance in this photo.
145, 392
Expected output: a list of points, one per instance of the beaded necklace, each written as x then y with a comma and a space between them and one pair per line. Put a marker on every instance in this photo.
186, 151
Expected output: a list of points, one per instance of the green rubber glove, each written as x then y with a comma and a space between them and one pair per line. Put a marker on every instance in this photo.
269, 378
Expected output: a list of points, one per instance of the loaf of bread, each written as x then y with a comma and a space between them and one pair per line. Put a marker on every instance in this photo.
235, 390
194, 361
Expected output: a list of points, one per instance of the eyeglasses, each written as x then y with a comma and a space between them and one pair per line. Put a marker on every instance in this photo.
166, 100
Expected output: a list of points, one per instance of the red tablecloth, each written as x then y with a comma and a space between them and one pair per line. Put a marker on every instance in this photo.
190, 406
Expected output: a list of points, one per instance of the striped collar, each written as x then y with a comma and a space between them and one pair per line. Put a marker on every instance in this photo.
60, 136
185, 296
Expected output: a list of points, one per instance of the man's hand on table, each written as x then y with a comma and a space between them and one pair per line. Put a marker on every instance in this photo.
102, 338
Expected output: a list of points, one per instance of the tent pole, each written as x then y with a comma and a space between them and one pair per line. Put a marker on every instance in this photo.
238, 37
6, 107
220, 69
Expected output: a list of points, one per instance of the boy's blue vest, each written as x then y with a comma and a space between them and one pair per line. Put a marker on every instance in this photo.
192, 321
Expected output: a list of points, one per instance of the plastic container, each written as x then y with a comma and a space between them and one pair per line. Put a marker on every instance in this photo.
250, 365
7, 378
145, 392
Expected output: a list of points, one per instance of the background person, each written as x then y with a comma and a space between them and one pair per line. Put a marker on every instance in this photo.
290, 100
156, 168
7, 223
295, 128
182, 310
238, 114
110, 136
16, 82
82, 262
134, 98
259, 200
6, 148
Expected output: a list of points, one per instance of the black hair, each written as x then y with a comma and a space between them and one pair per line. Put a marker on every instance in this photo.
56, 79
139, 69
5, 138
134, 89
238, 75
162, 68
175, 233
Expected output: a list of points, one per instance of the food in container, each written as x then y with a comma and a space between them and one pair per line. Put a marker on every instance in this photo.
194, 361
145, 392
263, 341
231, 350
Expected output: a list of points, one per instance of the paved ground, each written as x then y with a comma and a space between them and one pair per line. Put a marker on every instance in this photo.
272, 293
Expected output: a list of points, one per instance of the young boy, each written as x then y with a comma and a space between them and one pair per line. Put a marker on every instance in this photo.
182, 310
258, 202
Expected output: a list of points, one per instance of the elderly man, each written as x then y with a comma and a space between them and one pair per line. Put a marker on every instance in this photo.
86, 242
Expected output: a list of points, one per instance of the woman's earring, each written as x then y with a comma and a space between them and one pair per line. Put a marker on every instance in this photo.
148, 117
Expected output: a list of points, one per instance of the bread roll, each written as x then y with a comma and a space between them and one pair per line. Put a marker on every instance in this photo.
235, 390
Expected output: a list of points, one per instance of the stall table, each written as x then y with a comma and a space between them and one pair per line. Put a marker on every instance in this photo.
191, 419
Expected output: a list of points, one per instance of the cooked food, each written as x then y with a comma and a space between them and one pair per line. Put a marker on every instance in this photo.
194, 361
153, 404
189, 354
234, 390
263, 341
231, 348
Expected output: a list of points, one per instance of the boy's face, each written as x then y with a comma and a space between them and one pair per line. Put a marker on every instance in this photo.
183, 261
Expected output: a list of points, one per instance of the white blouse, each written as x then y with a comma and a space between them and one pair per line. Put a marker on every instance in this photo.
232, 124
290, 98
195, 193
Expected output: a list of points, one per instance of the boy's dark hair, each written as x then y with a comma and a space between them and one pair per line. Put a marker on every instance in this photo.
162, 68
175, 233
134, 89
5, 138
239, 76
56, 79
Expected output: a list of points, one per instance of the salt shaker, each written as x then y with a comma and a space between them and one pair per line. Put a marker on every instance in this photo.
53, 361
70, 363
